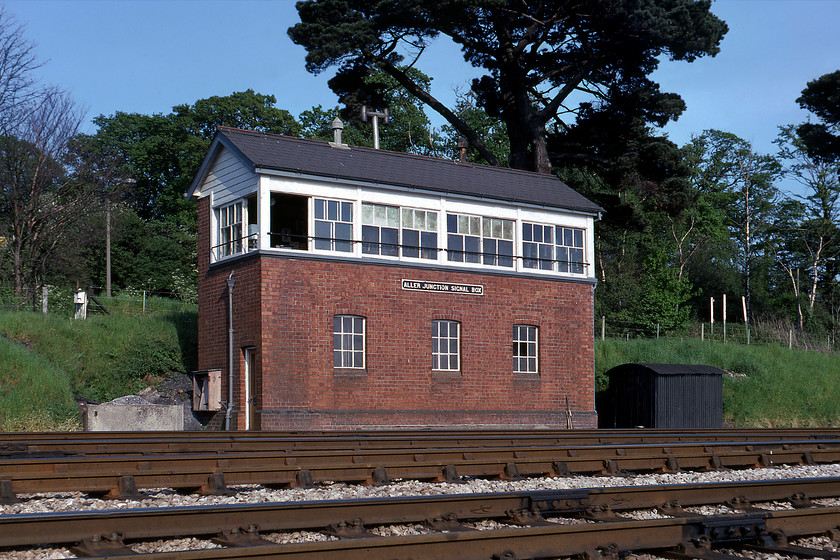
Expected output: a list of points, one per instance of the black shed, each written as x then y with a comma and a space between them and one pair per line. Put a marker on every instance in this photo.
664, 396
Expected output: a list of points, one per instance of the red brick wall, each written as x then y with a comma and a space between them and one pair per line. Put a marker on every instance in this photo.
285, 306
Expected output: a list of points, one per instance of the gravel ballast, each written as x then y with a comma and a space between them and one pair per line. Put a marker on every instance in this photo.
161, 498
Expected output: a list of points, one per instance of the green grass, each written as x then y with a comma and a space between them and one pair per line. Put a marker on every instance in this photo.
47, 359
770, 386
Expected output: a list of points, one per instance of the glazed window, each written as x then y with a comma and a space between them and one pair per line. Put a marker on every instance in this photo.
537, 246
380, 230
230, 229
525, 345
446, 345
569, 248
476, 239
348, 342
497, 237
333, 225
419, 233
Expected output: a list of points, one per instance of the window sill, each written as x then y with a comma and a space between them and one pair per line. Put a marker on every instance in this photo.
517, 376
349, 371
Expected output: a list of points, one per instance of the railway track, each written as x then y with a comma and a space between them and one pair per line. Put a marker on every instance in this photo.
211, 473
525, 524
17, 445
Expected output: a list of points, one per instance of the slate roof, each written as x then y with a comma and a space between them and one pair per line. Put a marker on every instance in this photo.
382, 167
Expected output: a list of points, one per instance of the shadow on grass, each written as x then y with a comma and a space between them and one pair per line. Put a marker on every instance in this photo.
186, 326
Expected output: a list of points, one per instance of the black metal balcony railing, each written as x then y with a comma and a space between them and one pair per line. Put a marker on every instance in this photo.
249, 243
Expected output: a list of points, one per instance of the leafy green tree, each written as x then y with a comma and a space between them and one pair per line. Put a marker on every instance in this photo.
162, 153
492, 130
741, 185
534, 55
822, 97
157, 256
816, 231
408, 129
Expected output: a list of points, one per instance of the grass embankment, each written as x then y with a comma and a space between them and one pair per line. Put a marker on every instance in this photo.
770, 385
46, 361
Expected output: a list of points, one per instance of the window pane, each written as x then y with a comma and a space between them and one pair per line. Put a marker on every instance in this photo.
323, 235
505, 253
319, 209
346, 212
463, 224
507, 229
475, 225
367, 214
472, 249
431, 221
455, 246
407, 218
390, 242
452, 223
527, 232
578, 238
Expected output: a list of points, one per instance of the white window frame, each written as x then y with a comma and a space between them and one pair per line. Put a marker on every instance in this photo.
568, 265
334, 244
442, 359
431, 225
349, 342
379, 217
228, 243
526, 348
481, 228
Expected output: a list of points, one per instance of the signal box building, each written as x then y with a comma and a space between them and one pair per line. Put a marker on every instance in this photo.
344, 287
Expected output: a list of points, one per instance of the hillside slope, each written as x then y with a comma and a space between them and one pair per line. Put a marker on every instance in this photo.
48, 363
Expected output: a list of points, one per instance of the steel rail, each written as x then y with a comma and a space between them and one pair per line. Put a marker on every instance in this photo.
589, 541
120, 476
102, 443
329, 515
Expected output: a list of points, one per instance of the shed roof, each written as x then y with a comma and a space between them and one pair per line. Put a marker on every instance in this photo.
667, 369
385, 168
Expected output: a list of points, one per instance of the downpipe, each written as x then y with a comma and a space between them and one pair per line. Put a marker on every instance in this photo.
230, 407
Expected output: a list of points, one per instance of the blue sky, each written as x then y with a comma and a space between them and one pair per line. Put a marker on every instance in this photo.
145, 56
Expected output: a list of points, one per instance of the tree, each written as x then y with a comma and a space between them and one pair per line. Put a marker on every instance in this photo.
822, 97
534, 55
18, 63
740, 184
408, 130
162, 153
816, 230
39, 198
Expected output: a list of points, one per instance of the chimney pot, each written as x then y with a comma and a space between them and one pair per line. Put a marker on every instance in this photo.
337, 127
462, 149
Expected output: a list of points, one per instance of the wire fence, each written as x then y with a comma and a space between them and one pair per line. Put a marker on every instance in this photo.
759, 333
63, 301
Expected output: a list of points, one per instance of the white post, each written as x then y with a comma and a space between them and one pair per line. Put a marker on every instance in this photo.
603, 327
712, 317
790, 339
746, 320
724, 318
44, 295
702, 332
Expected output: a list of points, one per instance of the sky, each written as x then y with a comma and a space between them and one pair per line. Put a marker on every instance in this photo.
146, 56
